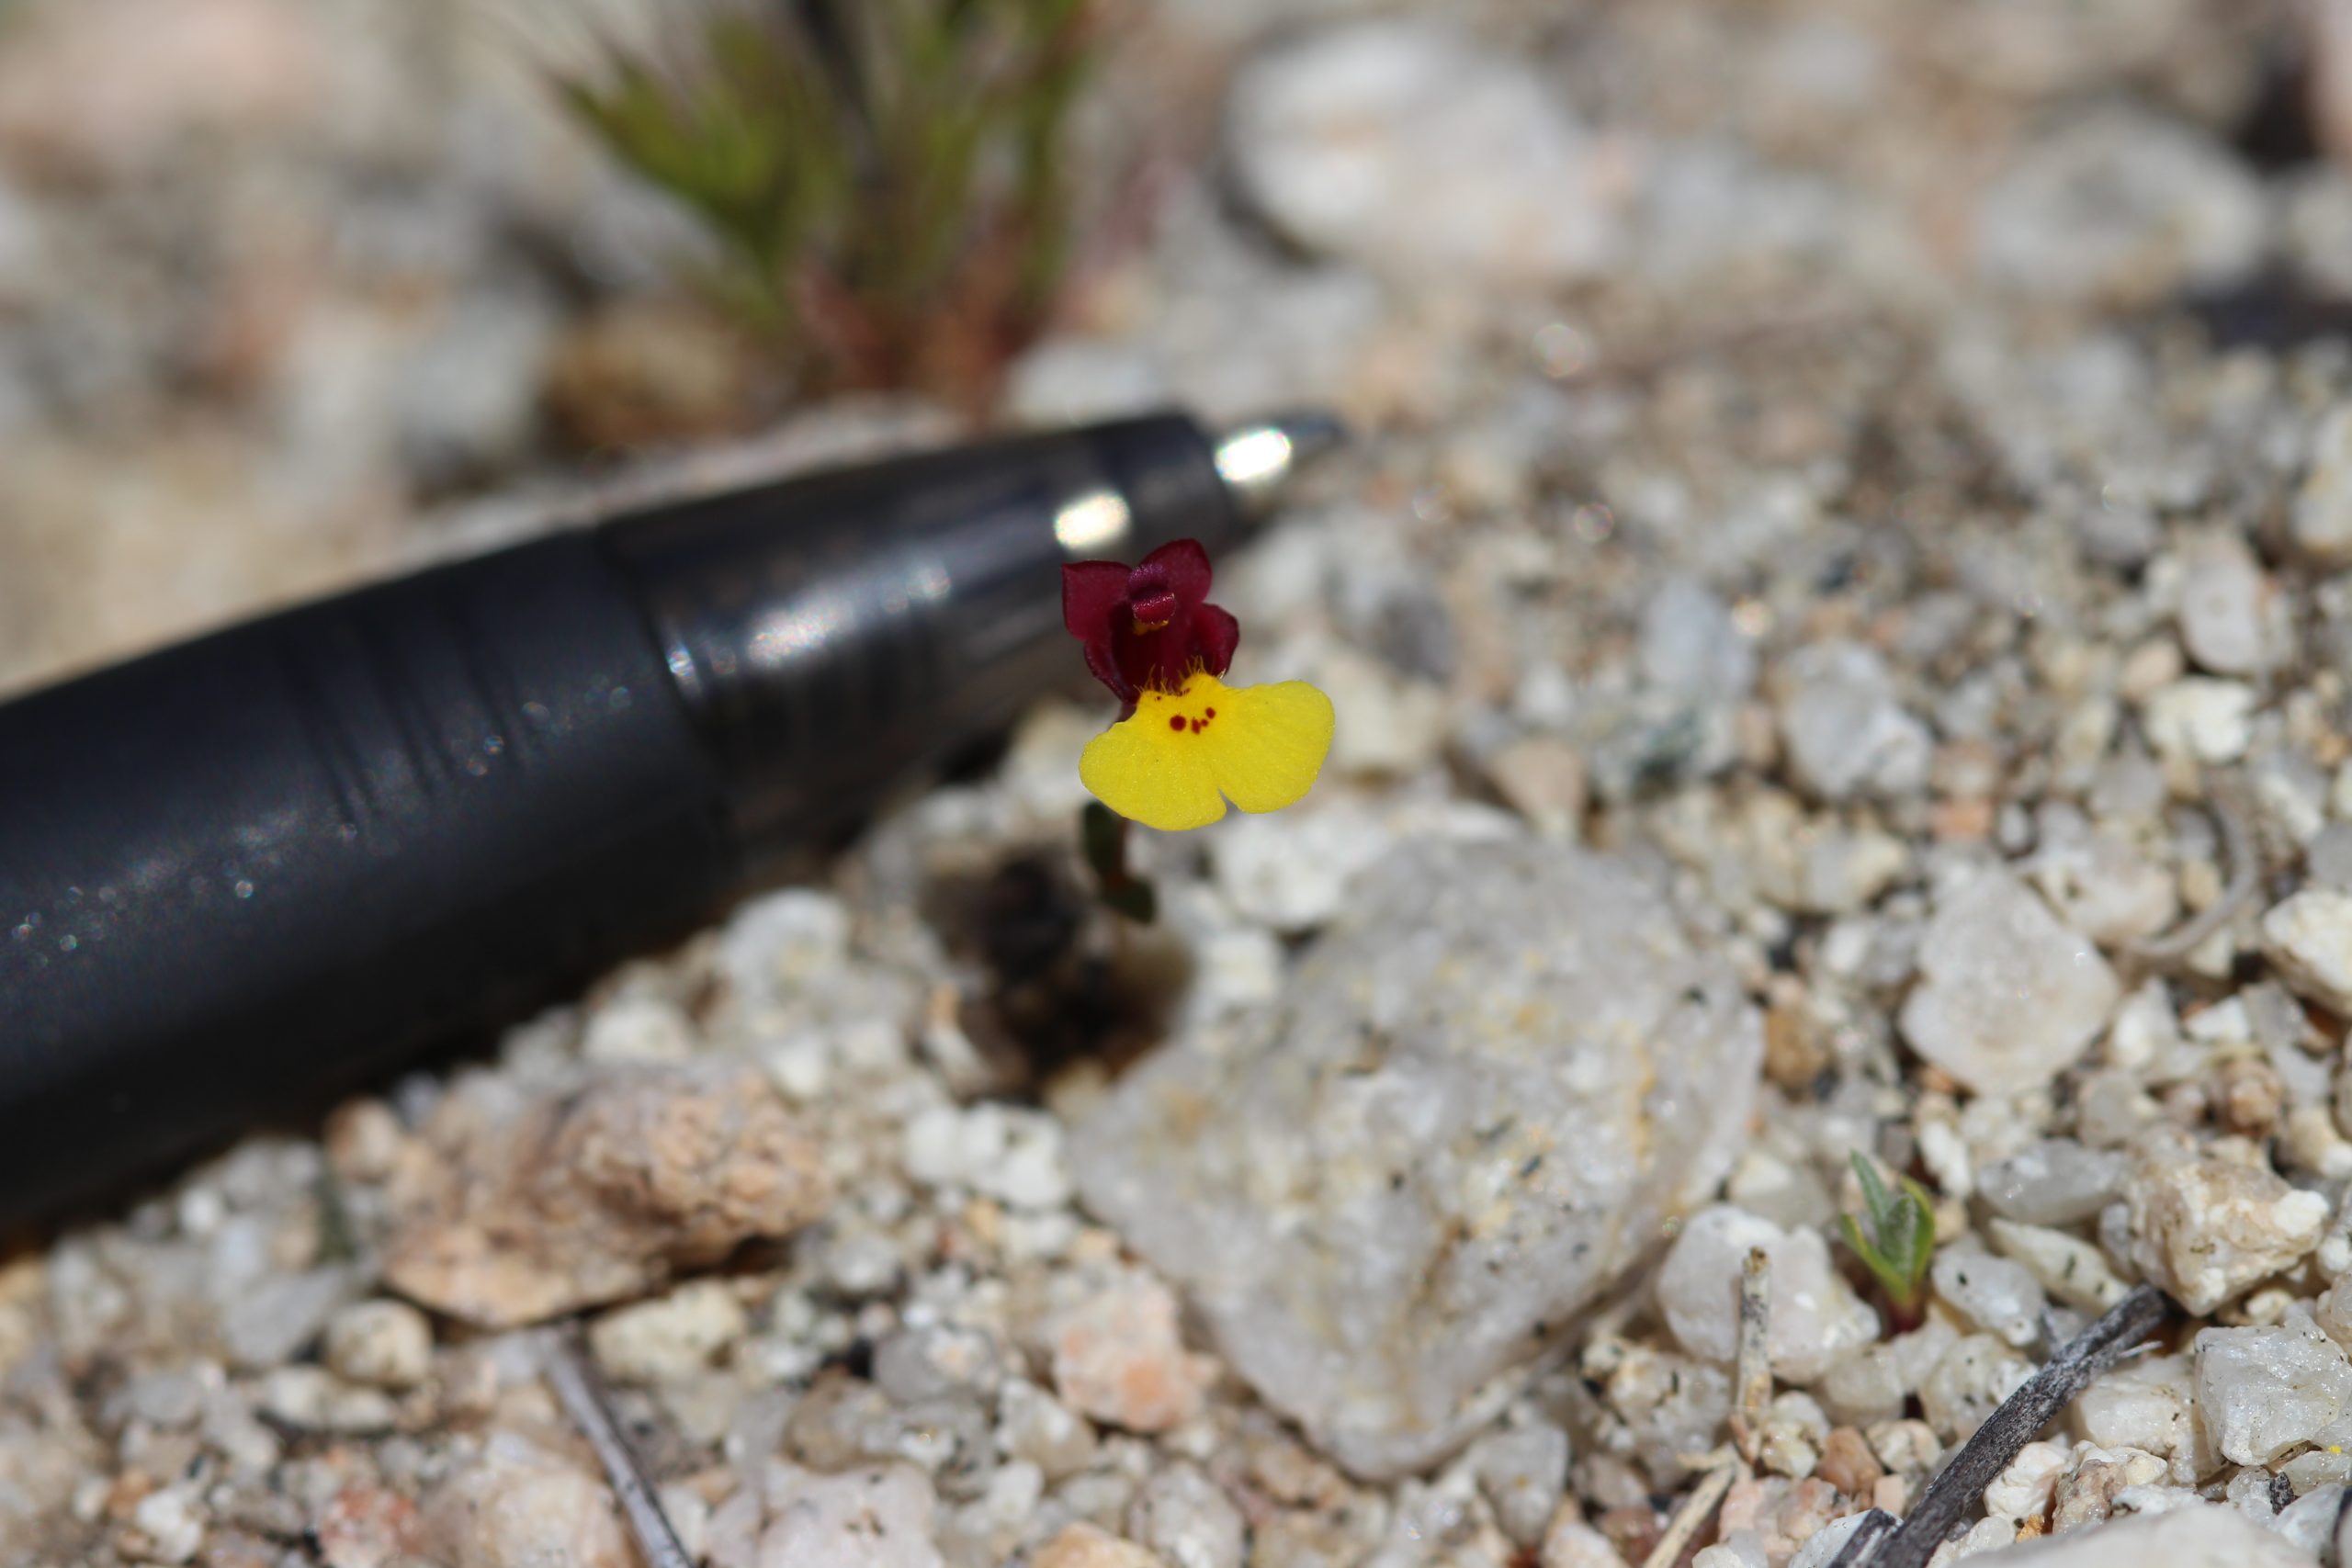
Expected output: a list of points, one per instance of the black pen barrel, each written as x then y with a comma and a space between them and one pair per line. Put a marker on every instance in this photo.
278, 860
272, 861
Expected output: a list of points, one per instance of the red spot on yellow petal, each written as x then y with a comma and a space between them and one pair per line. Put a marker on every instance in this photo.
1177, 724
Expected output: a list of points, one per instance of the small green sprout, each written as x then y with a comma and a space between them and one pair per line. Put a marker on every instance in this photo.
1103, 832
1900, 1240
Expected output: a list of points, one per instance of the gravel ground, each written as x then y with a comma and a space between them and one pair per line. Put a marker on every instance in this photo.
1839, 625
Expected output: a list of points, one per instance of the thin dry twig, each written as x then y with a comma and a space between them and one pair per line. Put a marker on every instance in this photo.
1755, 1365
2245, 874
1696, 1510
582, 1400
1949, 1498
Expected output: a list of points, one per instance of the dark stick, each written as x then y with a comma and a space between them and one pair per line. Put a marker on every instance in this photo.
1857, 1549
1952, 1492
583, 1400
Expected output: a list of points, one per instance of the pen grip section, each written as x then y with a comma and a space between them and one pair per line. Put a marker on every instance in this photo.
280, 857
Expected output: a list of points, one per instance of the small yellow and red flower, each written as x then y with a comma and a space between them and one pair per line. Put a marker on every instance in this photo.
1185, 742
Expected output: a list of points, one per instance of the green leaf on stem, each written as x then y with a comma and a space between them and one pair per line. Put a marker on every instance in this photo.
1102, 838
1896, 1237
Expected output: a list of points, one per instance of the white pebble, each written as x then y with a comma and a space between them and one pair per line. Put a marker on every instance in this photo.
2309, 937
1386, 723
1524, 1472
1822, 1547
1997, 1295
2262, 1391
1845, 730
2118, 205
1542, 778
2099, 881
2009, 997
2200, 719
2310, 1521
1008, 1153
774, 945
516, 1506
877, 1516
638, 1029
1403, 145
2321, 519
1875, 1384
2229, 616
1188, 1520
1032, 1424
1014, 1491
312, 1399
1815, 1317
1290, 871
2067, 1267
2056, 1181
861, 1263
2206, 1229
174, 1522
670, 1337
689, 1518
1572, 1543
388, 1344
1983, 1536
2023, 1490
1970, 1383
936, 1360
2143, 1405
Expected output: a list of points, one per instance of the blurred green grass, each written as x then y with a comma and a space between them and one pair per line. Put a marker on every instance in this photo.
886, 178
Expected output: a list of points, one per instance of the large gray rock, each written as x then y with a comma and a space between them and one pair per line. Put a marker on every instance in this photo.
2262, 1392
2184, 1537
1488, 1088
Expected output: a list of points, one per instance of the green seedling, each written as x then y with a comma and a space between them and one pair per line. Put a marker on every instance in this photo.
885, 177
1104, 834
1896, 1238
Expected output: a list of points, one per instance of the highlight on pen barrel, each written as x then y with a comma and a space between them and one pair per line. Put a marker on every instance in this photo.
917, 604
1259, 458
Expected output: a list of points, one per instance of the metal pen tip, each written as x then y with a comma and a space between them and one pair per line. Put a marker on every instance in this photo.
1258, 459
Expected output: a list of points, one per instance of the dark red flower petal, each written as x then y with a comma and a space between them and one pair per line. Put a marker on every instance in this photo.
1150, 628
1216, 634
1091, 594
1151, 611
1183, 566
1140, 657
1104, 665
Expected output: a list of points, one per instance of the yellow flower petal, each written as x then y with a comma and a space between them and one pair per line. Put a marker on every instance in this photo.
1275, 746
1168, 765
1134, 769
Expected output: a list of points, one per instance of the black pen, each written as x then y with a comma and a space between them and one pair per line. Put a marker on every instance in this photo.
270, 863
